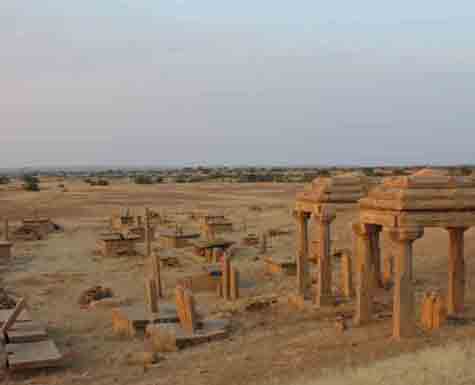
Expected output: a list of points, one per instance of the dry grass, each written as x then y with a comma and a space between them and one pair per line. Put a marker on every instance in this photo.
452, 364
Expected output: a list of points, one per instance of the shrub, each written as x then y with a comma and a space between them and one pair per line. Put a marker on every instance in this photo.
102, 182
143, 179
97, 182
368, 171
31, 183
180, 179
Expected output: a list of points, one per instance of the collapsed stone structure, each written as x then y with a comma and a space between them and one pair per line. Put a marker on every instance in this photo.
126, 223
214, 224
211, 250
434, 311
322, 201
403, 207
117, 244
176, 238
35, 228
123, 219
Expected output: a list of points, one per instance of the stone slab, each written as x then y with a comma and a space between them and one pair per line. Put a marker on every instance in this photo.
22, 332
23, 317
34, 355
208, 331
128, 319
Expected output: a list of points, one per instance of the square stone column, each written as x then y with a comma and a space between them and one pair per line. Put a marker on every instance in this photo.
374, 239
324, 296
364, 276
6, 231
404, 322
387, 274
346, 274
456, 289
302, 251
148, 233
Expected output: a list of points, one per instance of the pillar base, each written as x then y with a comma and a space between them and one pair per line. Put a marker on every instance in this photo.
300, 302
325, 300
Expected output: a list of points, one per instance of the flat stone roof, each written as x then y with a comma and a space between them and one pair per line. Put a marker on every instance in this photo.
345, 188
425, 190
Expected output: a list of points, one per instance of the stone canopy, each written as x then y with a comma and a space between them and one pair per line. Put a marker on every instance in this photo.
341, 189
403, 207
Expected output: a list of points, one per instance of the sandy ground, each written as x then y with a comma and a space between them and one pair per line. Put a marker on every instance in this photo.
277, 345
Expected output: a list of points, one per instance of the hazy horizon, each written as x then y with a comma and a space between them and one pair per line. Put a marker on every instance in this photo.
248, 83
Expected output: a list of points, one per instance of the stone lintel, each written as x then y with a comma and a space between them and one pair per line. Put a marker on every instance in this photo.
457, 228
412, 233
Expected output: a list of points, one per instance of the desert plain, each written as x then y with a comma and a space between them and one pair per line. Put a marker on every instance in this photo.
274, 344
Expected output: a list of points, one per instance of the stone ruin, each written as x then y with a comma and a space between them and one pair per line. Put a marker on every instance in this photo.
211, 225
192, 327
176, 238
93, 294
26, 343
434, 311
212, 250
117, 244
402, 207
126, 223
322, 203
35, 228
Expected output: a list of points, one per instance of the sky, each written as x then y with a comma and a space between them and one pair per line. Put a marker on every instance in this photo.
269, 82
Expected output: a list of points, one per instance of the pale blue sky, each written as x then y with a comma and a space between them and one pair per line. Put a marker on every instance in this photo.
249, 82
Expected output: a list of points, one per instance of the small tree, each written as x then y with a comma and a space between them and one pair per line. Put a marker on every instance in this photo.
102, 182
465, 171
143, 179
4, 179
31, 183
368, 171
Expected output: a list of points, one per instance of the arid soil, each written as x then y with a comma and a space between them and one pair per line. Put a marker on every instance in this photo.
275, 345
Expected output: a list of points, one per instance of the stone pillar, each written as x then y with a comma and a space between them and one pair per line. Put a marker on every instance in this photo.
234, 284
191, 318
404, 324
324, 283
263, 243
148, 235
151, 294
156, 265
456, 289
346, 272
226, 277
387, 274
185, 306
364, 281
7, 231
302, 252
374, 238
